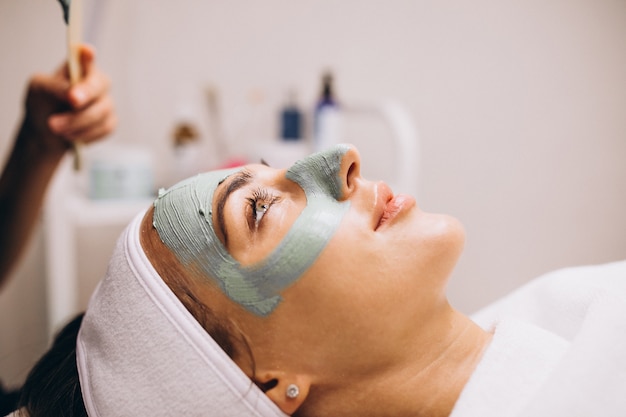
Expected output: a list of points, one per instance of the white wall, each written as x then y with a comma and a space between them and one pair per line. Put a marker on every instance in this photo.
521, 107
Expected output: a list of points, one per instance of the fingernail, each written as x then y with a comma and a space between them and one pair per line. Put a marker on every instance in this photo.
56, 124
79, 96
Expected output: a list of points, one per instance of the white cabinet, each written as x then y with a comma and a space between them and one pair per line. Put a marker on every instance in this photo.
66, 211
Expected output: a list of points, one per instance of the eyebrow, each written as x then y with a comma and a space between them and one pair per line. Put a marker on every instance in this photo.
240, 179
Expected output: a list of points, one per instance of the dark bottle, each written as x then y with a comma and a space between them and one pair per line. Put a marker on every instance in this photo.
291, 120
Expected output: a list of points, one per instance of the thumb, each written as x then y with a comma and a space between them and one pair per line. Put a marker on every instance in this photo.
87, 57
80, 94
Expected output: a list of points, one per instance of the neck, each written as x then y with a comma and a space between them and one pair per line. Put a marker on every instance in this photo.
430, 378
438, 383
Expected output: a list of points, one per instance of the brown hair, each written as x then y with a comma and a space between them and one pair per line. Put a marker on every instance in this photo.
182, 283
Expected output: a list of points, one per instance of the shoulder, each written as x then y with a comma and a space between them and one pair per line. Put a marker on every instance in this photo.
19, 413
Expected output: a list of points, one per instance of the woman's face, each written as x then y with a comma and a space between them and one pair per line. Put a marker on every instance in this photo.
332, 281
380, 270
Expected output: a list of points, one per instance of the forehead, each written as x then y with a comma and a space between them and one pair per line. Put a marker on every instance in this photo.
245, 175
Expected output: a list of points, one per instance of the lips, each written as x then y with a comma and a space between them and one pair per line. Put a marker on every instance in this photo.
388, 206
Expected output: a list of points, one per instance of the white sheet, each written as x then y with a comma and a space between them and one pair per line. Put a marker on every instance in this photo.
559, 348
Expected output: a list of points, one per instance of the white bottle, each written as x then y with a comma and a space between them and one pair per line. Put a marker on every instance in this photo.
327, 117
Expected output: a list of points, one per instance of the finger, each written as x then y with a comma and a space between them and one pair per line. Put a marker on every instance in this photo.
72, 124
95, 132
89, 90
68, 123
87, 56
92, 84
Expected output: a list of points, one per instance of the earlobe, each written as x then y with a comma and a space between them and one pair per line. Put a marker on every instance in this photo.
287, 391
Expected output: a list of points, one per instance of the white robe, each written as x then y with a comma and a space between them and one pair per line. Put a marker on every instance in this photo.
559, 348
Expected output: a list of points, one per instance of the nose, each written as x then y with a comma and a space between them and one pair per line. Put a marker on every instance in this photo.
349, 172
333, 172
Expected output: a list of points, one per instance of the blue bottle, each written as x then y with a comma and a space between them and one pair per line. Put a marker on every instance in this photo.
291, 120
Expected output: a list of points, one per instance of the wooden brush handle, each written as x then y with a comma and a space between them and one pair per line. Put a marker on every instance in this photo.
74, 39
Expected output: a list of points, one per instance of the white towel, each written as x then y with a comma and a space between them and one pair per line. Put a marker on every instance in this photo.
141, 353
559, 348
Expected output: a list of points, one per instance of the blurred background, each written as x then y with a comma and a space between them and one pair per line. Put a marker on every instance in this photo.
518, 113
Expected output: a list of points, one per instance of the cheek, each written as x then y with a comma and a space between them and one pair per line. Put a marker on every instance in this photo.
418, 240
419, 249
361, 268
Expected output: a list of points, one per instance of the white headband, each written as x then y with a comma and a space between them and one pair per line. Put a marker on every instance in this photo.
140, 352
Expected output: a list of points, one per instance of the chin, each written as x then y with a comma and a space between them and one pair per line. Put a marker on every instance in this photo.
441, 225
455, 229
442, 236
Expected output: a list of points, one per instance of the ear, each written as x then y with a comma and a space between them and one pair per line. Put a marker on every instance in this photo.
275, 384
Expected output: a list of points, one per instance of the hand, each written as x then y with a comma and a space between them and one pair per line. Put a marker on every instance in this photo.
58, 114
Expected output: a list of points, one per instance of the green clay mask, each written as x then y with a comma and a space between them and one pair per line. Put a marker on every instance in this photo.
183, 219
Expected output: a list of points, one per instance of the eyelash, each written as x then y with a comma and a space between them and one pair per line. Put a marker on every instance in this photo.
263, 197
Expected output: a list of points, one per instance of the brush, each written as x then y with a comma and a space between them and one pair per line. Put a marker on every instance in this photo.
72, 14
